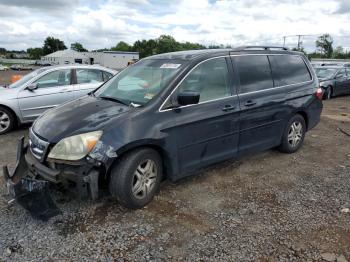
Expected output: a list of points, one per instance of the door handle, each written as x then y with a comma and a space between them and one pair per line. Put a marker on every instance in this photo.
228, 108
250, 103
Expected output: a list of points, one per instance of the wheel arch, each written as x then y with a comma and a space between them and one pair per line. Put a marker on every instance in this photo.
17, 120
153, 144
305, 116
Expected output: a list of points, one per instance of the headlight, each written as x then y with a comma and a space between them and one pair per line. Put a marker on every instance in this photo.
75, 147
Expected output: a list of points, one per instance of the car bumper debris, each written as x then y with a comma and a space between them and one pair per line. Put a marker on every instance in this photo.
30, 182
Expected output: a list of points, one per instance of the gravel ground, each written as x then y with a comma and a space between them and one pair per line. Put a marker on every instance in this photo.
265, 207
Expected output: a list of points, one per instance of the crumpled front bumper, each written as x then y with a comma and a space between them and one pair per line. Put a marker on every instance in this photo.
32, 194
28, 184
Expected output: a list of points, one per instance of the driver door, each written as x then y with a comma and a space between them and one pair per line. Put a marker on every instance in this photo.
53, 89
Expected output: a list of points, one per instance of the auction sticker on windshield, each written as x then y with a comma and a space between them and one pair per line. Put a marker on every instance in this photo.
170, 66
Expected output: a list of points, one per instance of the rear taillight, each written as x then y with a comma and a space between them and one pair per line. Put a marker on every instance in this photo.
319, 93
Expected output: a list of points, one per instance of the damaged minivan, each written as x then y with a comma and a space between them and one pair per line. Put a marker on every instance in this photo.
166, 117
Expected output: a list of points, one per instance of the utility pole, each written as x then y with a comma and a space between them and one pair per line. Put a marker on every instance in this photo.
284, 41
299, 42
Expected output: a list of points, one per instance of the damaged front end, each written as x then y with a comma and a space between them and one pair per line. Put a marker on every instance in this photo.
30, 182
32, 194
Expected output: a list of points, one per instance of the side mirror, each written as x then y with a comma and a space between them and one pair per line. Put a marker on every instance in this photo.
188, 98
32, 87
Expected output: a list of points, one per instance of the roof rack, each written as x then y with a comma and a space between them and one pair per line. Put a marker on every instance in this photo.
242, 48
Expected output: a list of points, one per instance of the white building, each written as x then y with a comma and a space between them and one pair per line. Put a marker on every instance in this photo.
112, 59
65, 57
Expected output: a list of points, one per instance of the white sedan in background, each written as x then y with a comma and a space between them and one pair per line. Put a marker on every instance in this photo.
26, 99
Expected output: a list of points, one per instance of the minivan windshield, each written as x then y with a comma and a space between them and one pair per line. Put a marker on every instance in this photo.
141, 82
325, 73
26, 78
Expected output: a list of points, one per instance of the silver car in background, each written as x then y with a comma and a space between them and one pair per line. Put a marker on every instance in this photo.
25, 100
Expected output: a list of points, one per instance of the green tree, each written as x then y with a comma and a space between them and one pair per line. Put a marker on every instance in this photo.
2, 51
52, 44
324, 43
122, 46
35, 53
339, 53
145, 47
166, 43
78, 47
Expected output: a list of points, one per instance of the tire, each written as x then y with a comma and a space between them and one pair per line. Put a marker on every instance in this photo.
293, 140
329, 93
136, 178
7, 120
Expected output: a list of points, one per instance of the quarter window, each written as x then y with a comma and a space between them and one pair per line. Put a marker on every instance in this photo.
289, 69
254, 73
107, 75
55, 78
86, 76
210, 79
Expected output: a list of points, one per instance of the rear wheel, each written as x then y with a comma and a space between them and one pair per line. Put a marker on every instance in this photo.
294, 134
7, 120
136, 178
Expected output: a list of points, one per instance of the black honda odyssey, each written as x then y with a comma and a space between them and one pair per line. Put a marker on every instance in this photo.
166, 117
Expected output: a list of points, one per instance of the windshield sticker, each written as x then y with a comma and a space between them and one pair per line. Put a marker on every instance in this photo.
149, 96
170, 66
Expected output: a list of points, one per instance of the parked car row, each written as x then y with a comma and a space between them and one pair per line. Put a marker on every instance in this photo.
3, 68
164, 117
47, 87
318, 64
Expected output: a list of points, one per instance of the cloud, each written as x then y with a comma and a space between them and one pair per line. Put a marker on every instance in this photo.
103, 23
343, 8
41, 4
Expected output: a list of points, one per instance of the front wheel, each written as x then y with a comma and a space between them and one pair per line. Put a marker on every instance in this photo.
136, 178
294, 134
329, 93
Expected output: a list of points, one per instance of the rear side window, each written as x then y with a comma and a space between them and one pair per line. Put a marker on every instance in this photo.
254, 73
289, 69
86, 76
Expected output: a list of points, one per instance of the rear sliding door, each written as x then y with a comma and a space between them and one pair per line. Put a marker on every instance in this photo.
266, 84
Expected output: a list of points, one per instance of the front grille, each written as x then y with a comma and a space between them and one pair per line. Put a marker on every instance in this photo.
37, 146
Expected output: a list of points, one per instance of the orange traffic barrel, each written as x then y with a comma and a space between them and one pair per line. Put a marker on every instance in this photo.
15, 78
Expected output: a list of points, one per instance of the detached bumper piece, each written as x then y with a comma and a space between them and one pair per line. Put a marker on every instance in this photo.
32, 194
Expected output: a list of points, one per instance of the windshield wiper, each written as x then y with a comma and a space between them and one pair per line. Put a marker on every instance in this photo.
114, 100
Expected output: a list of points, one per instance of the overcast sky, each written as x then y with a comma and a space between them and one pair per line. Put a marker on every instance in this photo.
103, 23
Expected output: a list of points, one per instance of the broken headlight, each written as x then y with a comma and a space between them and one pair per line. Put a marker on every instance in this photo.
75, 147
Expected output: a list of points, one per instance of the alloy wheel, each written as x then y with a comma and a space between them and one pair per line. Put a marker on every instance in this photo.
295, 134
144, 179
4, 121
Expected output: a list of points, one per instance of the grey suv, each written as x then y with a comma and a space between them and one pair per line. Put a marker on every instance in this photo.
44, 88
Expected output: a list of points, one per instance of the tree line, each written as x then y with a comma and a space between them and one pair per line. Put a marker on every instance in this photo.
167, 43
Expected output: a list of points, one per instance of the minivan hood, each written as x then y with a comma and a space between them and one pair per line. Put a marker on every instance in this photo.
80, 116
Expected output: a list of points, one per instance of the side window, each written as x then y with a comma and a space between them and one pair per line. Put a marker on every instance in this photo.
254, 73
55, 78
86, 76
106, 75
289, 69
210, 79
341, 73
